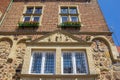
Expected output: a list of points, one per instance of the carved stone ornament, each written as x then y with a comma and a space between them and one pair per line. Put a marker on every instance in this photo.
58, 37
4, 66
102, 60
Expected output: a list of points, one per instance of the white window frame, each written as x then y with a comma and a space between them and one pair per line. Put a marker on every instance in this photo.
43, 62
33, 14
74, 63
69, 6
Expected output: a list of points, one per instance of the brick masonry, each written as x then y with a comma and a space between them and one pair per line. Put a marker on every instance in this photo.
88, 14
3, 6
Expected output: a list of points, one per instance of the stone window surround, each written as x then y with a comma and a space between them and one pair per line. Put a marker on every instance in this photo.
73, 61
26, 64
31, 15
69, 6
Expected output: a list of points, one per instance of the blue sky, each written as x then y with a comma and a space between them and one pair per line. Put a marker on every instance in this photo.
111, 12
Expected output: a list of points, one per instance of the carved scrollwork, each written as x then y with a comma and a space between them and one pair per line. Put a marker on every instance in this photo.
102, 60
5, 48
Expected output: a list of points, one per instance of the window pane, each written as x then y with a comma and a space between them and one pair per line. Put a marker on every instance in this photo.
74, 18
36, 63
38, 10
29, 10
64, 10
67, 63
64, 18
36, 18
26, 18
80, 63
73, 11
49, 63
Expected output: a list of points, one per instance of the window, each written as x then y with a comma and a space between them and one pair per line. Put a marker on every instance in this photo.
69, 14
36, 18
74, 62
64, 18
32, 14
26, 18
38, 10
74, 18
43, 62
64, 10
29, 10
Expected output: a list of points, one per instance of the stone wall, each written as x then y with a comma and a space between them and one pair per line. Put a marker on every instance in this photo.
10, 68
5, 48
98, 54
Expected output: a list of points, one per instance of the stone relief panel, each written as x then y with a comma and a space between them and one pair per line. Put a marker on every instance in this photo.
58, 37
5, 47
102, 60
20, 52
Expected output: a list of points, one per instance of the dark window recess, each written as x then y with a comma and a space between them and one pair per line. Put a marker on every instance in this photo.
29, 10
18, 71
64, 10
43, 0
36, 18
38, 11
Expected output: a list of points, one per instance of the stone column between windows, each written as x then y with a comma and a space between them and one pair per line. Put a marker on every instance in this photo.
91, 65
27, 60
58, 60
12, 54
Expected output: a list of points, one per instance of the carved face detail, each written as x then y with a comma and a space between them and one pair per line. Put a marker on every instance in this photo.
99, 46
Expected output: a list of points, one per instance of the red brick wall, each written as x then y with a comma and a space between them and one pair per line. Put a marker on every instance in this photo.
3, 5
91, 16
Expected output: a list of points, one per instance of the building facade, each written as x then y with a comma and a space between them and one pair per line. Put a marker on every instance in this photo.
56, 40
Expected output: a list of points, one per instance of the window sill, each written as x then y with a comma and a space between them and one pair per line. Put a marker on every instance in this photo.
69, 25
69, 14
58, 75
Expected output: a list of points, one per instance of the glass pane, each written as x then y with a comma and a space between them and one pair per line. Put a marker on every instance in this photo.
36, 18
49, 63
26, 18
73, 11
80, 63
64, 18
38, 10
36, 63
64, 10
67, 63
74, 18
29, 10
